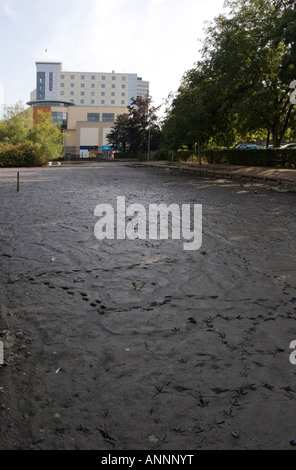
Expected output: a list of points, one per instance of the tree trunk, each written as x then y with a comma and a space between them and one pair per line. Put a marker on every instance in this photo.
285, 124
268, 138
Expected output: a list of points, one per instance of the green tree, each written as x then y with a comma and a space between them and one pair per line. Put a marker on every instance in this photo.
48, 135
245, 62
16, 127
240, 86
196, 113
118, 137
15, 124
132, 130
285, 31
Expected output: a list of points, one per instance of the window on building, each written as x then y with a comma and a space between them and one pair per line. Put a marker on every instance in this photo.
62, 84
82, 93
122, 86
122, 94
113, 93
93, 85
122, 102
72, 85
108, 117
102, 93
82, 85
123, 79
103, 77
81, 101
113, 86
92, 93
113, 78
103, 86
92, 101
93, 117
41, 85
59, 118
93, 77
112, 101
62, 93
72, 77
71, 101
72, 93
62, 77
102, 101
82, 77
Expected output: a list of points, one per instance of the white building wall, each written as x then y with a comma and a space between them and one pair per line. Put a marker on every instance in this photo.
142, 88
105, 132
89, 137
133, 87
94, 89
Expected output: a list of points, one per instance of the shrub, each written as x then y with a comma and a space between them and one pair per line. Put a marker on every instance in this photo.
283, 158
131, 155
160, 154
19, 155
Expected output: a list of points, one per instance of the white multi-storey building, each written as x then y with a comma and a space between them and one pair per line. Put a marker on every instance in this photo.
85, 104
87, 88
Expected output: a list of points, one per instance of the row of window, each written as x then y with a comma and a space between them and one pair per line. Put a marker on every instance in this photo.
61, 118
93, 77
82, 85
82, 101
95, 117
62, 93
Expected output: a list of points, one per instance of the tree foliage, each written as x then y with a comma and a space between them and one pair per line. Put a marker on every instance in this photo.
47, 135
16, 127
15, 124
132, 130
240, 87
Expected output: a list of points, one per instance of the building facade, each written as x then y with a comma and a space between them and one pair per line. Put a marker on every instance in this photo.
86, 88
85, 104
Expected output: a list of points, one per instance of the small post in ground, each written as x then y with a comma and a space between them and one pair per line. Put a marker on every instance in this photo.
1, 353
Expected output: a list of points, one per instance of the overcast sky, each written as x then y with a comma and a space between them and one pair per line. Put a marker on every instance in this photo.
157, 39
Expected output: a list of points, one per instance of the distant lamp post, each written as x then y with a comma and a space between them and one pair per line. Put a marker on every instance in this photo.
149, 140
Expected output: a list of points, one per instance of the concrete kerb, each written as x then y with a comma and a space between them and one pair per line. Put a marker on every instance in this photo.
266, 175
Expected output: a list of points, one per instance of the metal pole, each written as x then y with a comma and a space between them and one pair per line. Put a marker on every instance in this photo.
18, 182
148, 156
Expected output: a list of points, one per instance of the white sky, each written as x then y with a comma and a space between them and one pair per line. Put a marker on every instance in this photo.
157, 39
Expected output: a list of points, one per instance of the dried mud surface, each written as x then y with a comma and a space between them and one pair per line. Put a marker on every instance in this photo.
98, 350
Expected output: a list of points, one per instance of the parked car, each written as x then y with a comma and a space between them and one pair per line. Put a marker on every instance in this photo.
247, 146
288, 146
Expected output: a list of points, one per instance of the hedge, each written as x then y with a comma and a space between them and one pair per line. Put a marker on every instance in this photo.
131, 155
284, 158
19, 155
160, 154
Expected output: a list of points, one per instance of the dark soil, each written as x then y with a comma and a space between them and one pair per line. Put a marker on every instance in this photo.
99, 352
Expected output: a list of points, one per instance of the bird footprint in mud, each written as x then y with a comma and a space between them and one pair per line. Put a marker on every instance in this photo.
102, 308
84, 296
94, 303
